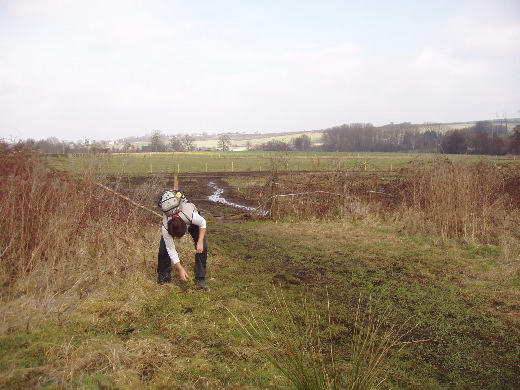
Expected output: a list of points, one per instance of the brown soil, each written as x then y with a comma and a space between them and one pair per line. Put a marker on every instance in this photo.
198, 189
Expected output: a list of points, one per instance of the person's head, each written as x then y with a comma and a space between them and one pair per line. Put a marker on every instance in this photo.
177, 227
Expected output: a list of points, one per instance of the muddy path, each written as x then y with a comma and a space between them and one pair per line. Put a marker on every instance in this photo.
211, 193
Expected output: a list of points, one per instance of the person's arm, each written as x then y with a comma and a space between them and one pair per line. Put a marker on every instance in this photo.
174, 256
200, 221
200, 242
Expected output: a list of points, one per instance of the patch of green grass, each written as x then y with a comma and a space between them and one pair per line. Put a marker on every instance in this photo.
94, 381
137, 334
417, 278
487, 251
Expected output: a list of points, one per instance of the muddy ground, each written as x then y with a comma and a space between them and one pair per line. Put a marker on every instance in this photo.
255, 188
198, 188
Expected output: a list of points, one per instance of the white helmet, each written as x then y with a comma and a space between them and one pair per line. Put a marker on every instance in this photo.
170, 201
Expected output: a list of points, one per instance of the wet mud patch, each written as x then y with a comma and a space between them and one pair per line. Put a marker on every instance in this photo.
214, 196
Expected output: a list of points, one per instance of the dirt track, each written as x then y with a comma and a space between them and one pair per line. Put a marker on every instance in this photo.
198, 188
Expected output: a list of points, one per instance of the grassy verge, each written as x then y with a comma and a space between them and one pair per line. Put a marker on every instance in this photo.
131, 333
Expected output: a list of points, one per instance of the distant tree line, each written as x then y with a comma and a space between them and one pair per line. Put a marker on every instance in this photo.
301, 143
55, 146
485, 137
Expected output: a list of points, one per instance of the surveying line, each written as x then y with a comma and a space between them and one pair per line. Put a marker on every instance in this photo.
127, 199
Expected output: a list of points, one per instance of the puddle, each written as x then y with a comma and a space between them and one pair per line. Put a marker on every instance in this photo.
217, 197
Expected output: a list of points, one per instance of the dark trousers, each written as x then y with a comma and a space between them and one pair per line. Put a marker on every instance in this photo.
164, 263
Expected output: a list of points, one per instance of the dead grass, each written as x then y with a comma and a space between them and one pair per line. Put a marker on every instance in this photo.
469, 201
460, 200
61, 237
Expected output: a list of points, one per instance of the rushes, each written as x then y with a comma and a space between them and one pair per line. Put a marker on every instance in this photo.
305, 345
296, 351
372, 345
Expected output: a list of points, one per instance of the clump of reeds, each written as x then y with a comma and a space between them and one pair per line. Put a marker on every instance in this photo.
302, 344
456, 200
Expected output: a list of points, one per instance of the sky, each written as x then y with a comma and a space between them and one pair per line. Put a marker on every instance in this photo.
109, 69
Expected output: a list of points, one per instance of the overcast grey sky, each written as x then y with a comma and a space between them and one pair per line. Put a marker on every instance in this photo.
106, 69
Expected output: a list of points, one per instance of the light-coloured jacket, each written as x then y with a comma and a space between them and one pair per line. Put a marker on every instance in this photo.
189, 214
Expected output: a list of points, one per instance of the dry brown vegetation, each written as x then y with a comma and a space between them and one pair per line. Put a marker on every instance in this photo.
62, 237
474, 202
465, 201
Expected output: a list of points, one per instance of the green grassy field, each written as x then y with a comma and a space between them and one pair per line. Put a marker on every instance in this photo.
131, 333
197, 162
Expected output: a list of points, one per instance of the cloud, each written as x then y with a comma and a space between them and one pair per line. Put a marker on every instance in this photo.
10, 79
324, 62
489, 27
433, 61
495, 39
120, 66
137, 96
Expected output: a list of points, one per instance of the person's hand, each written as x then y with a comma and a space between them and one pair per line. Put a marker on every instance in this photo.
200, 247
184, 276
182, 273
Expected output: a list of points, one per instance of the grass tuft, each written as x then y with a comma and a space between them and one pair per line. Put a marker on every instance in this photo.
301, 345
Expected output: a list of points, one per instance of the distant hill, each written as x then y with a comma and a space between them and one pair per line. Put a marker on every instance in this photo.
238, 140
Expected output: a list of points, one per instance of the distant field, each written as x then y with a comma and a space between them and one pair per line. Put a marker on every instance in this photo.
241, 143
198, 162
315, 137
